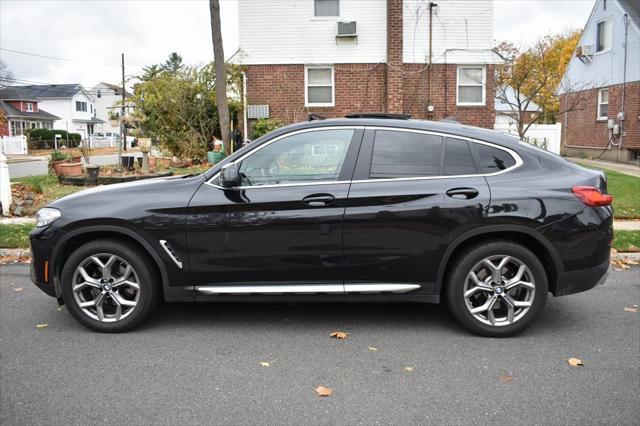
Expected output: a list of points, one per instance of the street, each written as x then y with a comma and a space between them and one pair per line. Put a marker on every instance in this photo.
201, 363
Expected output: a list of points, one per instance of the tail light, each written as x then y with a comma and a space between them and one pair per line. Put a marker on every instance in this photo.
591, 196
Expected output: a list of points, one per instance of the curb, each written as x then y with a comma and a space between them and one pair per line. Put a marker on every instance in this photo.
27, 253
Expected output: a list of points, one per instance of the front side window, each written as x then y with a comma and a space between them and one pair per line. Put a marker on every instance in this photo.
604, 35
324, 8
603, 104
405, 154
314, 156
81, 106
493, 160
319, 86
471, 85
28, 107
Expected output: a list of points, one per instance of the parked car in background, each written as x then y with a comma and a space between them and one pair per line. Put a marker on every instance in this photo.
344, 210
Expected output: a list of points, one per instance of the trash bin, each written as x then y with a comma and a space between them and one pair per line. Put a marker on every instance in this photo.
217, 157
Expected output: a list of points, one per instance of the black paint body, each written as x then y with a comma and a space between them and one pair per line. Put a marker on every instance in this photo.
374, 231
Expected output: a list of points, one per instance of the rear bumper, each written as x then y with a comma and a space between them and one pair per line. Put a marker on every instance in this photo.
582, 279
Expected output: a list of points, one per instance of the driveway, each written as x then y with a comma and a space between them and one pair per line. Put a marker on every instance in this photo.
200, 363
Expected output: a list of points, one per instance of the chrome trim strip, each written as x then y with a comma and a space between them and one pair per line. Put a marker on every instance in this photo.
379, 288
514, 154
272, 289
308, 289
164, 243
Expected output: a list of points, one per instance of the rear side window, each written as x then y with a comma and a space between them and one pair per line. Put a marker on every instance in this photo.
493, 159
405, 154
458, 159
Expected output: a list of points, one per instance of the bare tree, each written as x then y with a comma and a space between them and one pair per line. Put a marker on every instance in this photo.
6, 76
221, 80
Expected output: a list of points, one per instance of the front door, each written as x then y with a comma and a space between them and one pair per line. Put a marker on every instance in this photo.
412, 193
283, 225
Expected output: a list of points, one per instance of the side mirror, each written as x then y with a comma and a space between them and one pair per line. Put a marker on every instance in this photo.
229, 176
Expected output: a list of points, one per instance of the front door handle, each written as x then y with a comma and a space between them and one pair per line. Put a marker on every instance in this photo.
463, 193
318, 200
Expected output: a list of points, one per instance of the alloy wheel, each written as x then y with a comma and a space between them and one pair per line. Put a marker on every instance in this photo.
499, 290
106, 287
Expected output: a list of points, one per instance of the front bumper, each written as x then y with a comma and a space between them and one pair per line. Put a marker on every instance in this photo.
42, 241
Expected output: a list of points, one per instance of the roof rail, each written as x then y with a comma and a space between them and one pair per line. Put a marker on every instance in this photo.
387, 115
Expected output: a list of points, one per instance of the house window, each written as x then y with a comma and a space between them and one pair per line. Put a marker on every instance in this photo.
471, 85
319, 90
99, 94
326, 8
28, 107
603, 104
604, 36
81, 106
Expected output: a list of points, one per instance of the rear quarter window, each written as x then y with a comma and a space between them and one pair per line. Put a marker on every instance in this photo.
493, 160
458, 159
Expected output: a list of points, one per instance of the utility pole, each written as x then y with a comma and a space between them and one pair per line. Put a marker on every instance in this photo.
124, 129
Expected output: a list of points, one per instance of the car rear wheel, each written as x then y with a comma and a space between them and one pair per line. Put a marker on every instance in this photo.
496, 289
109, 286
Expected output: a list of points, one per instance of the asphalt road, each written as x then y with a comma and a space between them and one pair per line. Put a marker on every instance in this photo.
200, 363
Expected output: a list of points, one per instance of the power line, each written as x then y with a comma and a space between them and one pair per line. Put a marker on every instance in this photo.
75, 61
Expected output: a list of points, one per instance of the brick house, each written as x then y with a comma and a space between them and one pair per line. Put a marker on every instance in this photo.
333, 57
607, 122
19, 112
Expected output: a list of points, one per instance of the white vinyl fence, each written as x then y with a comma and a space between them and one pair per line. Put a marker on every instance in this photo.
13, 145
546, 136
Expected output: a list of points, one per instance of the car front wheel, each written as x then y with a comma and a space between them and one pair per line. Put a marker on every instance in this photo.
109, 286
496, 289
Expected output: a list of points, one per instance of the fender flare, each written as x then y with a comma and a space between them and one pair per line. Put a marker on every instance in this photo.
114, 229
493, 229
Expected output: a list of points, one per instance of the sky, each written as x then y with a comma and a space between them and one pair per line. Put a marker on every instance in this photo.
90, 35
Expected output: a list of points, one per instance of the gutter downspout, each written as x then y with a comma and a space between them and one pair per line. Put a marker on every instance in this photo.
244, 107
624, 80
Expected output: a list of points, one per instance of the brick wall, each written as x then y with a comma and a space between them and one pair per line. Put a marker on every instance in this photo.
364, 87
394, 69
582, 129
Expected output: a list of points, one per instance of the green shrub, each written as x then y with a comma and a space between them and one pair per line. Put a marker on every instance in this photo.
50, 134
57, 156
264, 126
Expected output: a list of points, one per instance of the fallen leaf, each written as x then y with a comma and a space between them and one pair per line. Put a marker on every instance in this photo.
267, 363
18, 289
43, 325
506, 378
323, 391
339, 334
371, 348
575, 362
632, 308
408, 369
59, 309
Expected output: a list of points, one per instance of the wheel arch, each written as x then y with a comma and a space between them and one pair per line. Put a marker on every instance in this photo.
70, 241
528, 237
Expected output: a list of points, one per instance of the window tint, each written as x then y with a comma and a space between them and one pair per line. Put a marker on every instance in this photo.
458, 159
304, 157
405, 154
493, 159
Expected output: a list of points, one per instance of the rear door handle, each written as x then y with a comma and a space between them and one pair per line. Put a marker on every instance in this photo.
463, 193
318, 200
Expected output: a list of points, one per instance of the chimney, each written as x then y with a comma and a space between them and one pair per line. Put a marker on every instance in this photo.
394, 56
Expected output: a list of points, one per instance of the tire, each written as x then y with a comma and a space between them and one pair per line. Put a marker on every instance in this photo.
495, 309
109, 306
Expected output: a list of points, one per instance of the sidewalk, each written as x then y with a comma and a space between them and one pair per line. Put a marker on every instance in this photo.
620, 225
626, 168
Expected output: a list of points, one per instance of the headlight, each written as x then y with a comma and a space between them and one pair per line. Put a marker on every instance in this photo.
46, 216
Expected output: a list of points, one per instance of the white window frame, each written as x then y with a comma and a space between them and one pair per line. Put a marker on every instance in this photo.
306, 86
599, 116
81, 104
28, 106
610, 26
484, 86
312, 11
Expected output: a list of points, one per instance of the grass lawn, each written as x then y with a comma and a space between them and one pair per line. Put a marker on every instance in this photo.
626, 193
15, 236
626, 241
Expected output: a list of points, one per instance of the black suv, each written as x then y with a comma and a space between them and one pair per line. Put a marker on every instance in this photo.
340, 210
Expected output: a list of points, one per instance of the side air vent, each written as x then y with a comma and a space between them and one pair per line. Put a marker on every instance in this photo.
172, 254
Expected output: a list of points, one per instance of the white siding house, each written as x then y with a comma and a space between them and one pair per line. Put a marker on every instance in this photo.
106, 96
